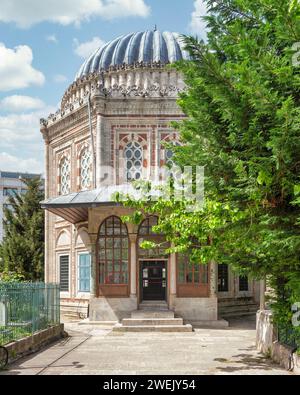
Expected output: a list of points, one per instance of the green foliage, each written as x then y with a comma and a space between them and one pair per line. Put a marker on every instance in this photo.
243, 124
22, 250
11, 277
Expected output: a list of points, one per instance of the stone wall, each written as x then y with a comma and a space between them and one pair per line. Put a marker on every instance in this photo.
112, 309
266, 342
35, 342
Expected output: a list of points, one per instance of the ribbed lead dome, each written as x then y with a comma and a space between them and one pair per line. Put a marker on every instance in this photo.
146, 47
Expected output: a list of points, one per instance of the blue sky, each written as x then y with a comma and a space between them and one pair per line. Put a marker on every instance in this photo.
42, 46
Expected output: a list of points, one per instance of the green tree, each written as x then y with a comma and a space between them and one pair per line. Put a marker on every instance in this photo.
243, 125
22, 250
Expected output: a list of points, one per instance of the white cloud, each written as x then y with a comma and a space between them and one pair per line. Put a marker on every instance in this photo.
15, 163
52, 38
197, 25
18, 103
60, 78
16, 71
22, 145
66, 12
84, 50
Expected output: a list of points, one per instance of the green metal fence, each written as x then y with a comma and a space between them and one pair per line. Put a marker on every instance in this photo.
289, 335
26, 308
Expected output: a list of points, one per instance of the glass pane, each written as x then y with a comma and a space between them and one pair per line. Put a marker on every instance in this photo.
204, 276
109, 254
109, 243
125, 266
102, 254
189, 277
181, 278
117, 278
109, 278
109, 266
125, 254
181, 264
102, 243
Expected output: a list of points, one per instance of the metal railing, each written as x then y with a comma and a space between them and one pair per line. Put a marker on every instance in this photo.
288, 335
26, 308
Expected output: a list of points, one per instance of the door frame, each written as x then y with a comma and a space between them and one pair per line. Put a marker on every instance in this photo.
139, 279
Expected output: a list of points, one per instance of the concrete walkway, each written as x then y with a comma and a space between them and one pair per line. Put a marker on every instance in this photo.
96, 350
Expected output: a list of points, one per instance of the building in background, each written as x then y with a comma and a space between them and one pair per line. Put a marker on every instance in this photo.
112, 128
10, 184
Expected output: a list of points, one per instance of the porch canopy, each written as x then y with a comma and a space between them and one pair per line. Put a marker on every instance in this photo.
74, 207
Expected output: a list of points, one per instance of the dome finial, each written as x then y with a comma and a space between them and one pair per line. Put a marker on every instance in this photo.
155, 28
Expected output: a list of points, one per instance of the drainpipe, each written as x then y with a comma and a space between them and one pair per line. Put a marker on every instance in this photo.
92, 140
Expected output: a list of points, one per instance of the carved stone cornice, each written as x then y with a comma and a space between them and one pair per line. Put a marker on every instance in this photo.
139, 81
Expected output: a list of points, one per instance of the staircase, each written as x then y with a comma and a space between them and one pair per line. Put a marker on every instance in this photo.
233, 308
152, 316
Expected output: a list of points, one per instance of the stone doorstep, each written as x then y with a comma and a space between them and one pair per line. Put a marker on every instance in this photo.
138, 314
152, 321
153, 328
236, 314
218, 324
87, 321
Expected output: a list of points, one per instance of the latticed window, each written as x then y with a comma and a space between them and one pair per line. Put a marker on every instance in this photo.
86, 169
191, 273
113, 247
134, 161
65, 177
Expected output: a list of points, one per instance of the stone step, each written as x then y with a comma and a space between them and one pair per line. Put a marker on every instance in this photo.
236, 314
153, 328
140, 314
238, 308
236, 302
153, 305
152, 321
153, 308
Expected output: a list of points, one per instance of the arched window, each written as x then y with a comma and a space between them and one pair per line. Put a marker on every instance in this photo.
134, 161
65, 177
113, 252
85, 169
146, 226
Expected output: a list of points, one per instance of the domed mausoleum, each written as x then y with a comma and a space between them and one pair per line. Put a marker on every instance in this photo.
111, 128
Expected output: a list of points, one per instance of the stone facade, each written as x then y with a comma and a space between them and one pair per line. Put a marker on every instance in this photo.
105, 113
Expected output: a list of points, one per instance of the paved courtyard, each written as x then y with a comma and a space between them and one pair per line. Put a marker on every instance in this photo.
96, 350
